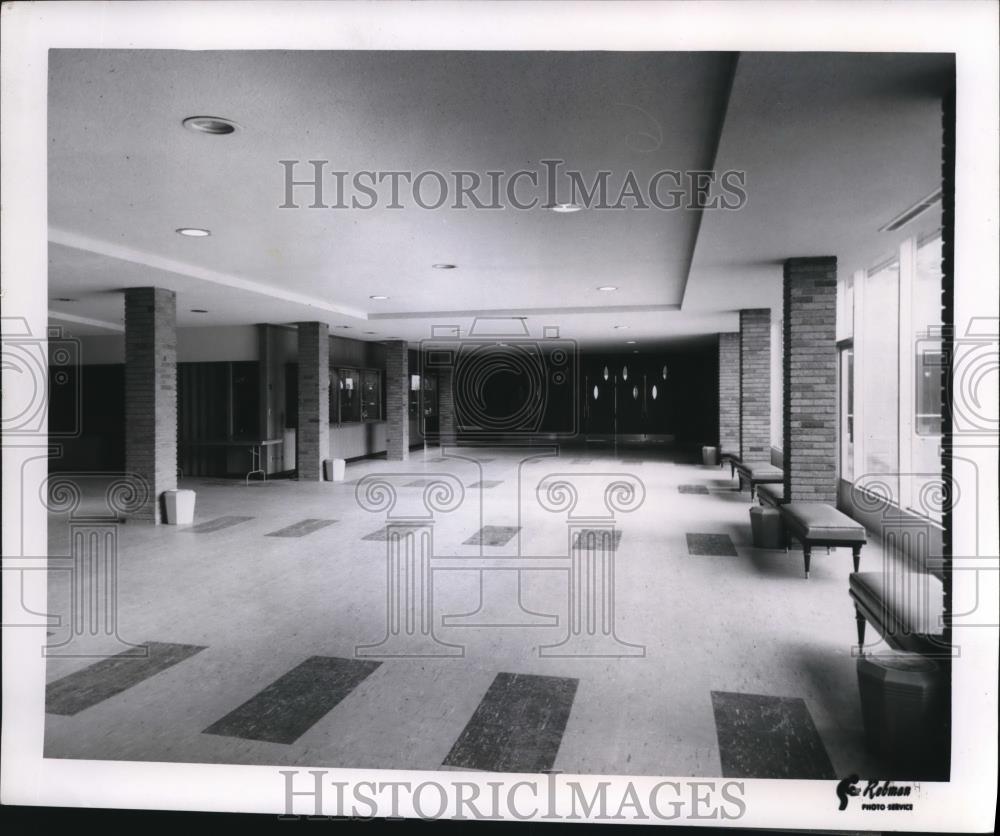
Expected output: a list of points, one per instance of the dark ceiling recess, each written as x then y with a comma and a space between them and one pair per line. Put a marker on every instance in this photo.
912, 213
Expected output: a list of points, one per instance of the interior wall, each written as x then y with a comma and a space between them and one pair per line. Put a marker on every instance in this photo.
689, 397
684, 413
87, 418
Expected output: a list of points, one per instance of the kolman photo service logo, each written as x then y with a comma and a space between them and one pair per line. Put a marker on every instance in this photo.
873, 789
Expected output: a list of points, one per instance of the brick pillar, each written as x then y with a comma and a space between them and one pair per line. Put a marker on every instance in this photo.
446, 407
810, 380
151, 393
755, 385
313, 433
729, 392
397, 401
271, 388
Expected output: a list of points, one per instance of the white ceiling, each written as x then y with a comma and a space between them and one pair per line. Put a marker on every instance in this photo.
834, 145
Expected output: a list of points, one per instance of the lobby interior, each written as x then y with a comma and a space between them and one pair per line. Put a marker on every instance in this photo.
563, 488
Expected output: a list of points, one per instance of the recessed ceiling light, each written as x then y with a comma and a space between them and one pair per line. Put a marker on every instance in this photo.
371, 333
198, 310
215, 125
607, 288
565, 208
378, 298
193, 232
635, 350
444, 266
629, 342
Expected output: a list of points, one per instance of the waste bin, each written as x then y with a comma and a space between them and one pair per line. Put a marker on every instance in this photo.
901, 697
710, 456
766, 528
179, 506
333, 470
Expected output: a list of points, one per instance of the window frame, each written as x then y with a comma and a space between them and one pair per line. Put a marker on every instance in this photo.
852, 310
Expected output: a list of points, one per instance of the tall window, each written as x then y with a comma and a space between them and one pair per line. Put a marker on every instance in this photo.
920, 425
880, 381
889, 327
847, 413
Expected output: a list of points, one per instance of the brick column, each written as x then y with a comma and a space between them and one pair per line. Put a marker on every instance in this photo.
755, 385
313, 433
272, 387
151, 393
729, 392
446, 407
397, 401
810, 380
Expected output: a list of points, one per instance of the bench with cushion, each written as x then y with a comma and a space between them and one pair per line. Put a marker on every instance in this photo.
760, 473
816, 524
905, 607
771, 493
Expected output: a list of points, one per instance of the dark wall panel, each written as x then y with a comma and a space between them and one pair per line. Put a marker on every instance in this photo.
87, 408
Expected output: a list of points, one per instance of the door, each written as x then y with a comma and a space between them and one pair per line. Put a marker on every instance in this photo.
599, 399
631, 398
656, 381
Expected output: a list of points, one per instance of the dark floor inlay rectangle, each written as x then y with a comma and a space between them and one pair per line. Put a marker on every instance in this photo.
292, 704
768, 737
596, 539
581, 461
301, 528
217, 524
716, 545
692, 489
96, 683
493, 535
383, 533
518, 725
486, 483
418, 483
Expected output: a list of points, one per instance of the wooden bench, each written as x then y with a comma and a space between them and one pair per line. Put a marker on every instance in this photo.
759, 473
733, 458
904, 606
772, 494
817, 524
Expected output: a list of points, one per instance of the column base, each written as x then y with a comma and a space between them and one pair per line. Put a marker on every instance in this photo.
500, 604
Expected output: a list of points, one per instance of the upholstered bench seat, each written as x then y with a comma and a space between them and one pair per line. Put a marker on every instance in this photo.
771, 493
759, 473
817, 524
906, 608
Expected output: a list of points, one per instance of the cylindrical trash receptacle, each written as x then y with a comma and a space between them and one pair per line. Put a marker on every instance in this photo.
179, 507
900, 704
710, 456
766, 528
333, 470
